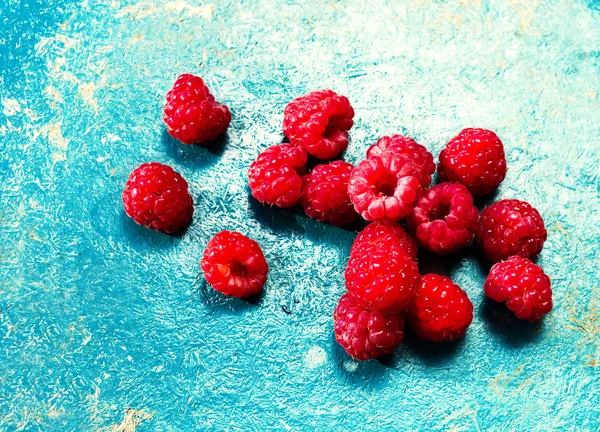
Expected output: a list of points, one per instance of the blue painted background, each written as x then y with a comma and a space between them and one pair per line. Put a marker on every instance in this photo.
105, 325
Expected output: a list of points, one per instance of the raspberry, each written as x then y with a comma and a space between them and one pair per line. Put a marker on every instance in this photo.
157, 197
475, 158
383, 233
234, 265
191, 113
275, 177
510, 227
409, 147
319, 122
325, 194
366, 335
524, 287
385, 187
382, 277
444, 218
440, 310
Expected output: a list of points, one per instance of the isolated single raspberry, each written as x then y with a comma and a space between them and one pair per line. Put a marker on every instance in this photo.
408, 147
510, 227
325, 194
191, 113
234, 265
157, 197
366, 335
382, 277
275, 177
385, 187
440, 310
444, 218
319, 122
524, 287
382, 233
475, 158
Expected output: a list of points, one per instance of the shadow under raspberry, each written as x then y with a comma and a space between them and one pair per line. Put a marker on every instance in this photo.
140, 237
504, 325
217, 300
194, 154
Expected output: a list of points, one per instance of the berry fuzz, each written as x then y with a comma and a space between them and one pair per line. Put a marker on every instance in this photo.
475, 158
366, 335
444, 218
510, 227
325, 194
191, 113
385, 187
524, 287
157, 197
275, 177
234, 265
319, 122
440, 310
383, 233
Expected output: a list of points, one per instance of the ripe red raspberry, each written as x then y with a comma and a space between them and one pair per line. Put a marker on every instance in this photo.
524, 287
385, 187
325, 194
157, 197
275, 177
191, 113
408, 147
382, 277
475, 158
366, 335
440, 310
444, 218
234, 265
319, 122
510, 227
379, 233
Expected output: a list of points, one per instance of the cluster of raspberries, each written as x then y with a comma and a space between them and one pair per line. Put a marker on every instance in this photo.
391, 188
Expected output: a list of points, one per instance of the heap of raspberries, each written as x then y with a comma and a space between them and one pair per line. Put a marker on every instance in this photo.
391, 189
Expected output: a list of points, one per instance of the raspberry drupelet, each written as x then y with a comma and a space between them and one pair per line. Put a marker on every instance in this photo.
382, 277
444, 218
440, 310
385, 187
524, 287
510, 227
366, 335
409, 147
191, 113
234, 265
383, 233
157, 197
475, 158
319, 122
325, 194
275, 177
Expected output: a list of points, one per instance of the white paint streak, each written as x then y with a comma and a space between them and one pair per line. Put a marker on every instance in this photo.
11, 107
315, 357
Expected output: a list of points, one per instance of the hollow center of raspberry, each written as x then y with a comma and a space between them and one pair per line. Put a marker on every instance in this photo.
385, 187
439, 213
238, 269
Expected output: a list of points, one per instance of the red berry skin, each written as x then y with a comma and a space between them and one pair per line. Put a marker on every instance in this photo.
440, 310
319, 122
384, 233
157, 197
408, 147
524, 287
385, 187
234, 265
366, 335
382, 277
325, 194
475, 158
191, 113
444, 218
275, 177
510, 227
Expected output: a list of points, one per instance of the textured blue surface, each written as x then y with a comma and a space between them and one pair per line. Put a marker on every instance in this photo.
106, 325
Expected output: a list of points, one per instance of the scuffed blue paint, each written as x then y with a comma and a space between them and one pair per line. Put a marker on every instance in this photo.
106, 323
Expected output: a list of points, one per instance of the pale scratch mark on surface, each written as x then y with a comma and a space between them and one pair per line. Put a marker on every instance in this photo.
315, 357
205, 11
11, 107
144, 9
131, 420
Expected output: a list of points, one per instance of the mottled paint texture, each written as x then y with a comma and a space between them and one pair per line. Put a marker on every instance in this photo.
106, 324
